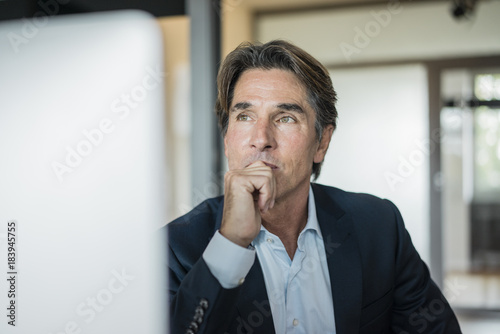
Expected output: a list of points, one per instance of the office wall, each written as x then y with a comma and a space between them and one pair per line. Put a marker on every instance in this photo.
394, 31
380, 145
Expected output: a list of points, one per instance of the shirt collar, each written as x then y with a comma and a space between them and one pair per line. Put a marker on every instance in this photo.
312, 219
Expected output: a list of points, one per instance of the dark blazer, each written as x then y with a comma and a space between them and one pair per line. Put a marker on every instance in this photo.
379, 283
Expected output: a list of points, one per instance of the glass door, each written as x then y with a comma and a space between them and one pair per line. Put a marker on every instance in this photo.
470, 155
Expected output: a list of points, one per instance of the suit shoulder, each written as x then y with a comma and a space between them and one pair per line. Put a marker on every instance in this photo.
200, 220
352, 200
374, 219
363, 207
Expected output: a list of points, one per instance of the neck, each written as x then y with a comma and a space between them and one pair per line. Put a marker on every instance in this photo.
288, 218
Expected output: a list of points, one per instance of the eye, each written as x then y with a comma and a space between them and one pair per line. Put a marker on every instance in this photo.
242, 117
286, 119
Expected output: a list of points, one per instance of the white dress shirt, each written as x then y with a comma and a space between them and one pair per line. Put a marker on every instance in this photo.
299, 290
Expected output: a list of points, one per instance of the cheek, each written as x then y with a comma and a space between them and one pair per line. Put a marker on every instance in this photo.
298, 144
232, 149
302, 150
235, 134
231, 142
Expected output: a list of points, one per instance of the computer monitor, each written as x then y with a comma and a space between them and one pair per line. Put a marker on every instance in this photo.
82, 175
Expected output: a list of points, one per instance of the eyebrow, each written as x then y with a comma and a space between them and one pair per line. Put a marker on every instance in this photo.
241, 106
283, 106
291, 107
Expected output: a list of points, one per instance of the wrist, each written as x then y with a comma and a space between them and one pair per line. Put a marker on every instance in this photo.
242, 242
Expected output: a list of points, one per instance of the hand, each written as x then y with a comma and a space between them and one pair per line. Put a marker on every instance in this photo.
248, 193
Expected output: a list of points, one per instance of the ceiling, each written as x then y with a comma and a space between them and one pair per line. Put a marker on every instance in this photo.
279, 4
16, 9
266, 5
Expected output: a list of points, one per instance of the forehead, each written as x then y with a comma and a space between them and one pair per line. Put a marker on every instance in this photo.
272, 84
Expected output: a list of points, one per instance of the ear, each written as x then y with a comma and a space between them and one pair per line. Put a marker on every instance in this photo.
323, 145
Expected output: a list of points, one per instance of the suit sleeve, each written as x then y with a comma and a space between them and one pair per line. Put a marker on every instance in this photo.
198, 303
419, 306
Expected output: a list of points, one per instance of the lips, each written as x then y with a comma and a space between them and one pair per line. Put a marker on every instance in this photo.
273, 166
270, 165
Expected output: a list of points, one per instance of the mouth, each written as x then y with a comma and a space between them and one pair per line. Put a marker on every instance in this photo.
268, 164
273, 167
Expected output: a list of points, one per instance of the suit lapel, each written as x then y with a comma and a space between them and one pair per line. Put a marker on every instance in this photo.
344, 262
253, 304
254, 310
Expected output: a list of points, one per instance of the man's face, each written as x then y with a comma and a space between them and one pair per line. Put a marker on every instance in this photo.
270, 120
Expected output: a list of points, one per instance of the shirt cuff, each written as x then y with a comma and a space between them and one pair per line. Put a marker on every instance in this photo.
227, 261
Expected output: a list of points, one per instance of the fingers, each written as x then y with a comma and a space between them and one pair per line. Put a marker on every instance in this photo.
258, 180
248, 193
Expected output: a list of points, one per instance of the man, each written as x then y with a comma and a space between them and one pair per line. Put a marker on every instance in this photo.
277, 253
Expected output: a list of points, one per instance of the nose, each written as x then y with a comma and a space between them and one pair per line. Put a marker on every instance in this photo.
263, 135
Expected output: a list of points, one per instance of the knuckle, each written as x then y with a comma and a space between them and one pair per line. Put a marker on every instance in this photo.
229, 177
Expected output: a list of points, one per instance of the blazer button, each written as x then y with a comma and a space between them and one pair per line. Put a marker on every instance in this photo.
204, 303
198, 319
194, 326
199, 311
